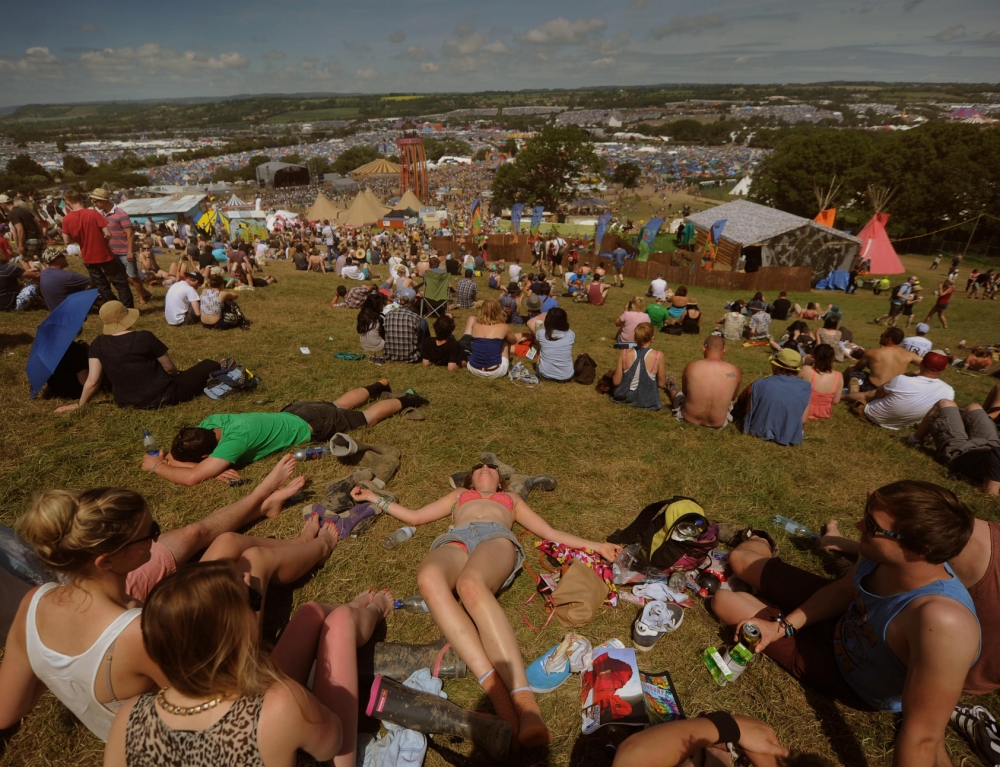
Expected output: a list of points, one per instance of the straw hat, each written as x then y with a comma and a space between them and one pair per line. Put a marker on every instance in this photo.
789, 359
100, 194
424, 257
117, 318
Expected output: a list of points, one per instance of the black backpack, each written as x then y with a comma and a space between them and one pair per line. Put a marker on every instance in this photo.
653, 529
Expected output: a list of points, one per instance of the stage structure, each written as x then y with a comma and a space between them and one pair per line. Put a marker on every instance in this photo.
413, 167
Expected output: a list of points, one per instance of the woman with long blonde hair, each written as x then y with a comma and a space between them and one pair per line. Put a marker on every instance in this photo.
491, 341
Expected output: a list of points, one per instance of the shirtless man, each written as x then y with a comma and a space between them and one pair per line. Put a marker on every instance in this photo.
708, 388
885, 363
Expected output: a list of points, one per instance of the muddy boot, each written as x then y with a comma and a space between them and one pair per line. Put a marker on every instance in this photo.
505, 471
456, 479
337, 495
383, 460
392, 702
398, 661
522, 484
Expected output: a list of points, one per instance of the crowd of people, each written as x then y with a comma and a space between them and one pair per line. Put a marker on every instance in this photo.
153, 638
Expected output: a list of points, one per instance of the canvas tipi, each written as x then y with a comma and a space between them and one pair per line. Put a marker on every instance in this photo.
409, 200
364, 211
875, 244
322, 209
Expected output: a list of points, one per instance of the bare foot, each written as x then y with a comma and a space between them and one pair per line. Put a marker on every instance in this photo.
283, 471
384, 603
831, 529
831, 536
310, 528
362, 600
274, 503
329, 534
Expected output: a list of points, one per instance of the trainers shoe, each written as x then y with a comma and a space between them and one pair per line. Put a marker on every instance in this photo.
377, 360
653, 621
539, 680
910, 440
980, 728
854, 386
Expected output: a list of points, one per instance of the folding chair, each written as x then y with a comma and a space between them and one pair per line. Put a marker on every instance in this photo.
435, 300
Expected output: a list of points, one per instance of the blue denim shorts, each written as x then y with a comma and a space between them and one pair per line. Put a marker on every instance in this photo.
471, 535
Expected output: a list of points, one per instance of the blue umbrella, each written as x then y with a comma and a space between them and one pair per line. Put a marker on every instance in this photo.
54, 336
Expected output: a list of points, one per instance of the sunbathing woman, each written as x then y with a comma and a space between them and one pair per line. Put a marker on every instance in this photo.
478, 557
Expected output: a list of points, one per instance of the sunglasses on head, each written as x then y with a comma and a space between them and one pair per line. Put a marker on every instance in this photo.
871, 526
493, 466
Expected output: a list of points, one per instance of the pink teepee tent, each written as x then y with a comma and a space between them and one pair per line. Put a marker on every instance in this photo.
875, 246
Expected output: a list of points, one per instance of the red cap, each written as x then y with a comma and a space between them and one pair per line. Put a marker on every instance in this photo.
935, 361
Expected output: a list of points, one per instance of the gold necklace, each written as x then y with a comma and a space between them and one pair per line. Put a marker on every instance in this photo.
170, 708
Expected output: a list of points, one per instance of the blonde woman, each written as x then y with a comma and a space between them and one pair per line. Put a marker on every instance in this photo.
640, 373
79, 638
491, 340
632, 317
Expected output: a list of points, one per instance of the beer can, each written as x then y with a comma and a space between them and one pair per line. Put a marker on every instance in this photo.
750, 636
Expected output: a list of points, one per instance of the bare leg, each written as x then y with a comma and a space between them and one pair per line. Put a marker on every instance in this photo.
992, 403
748, 560
382, 410
353, 398
731, 607
265, 499
832, 540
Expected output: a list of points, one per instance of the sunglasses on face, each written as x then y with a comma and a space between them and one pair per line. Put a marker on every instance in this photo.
493, 466
154, 533
873, 529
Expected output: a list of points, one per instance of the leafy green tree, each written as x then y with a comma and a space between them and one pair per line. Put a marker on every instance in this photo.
481, 154
353, 158
23, 165
546, 170
61, 145
76, 165
627, 174
294, 158
436, 148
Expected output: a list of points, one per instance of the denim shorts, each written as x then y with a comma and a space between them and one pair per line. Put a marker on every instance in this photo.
471, 535
131, 267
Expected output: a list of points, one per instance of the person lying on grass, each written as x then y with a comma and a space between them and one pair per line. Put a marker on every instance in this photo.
476, 559
898, 633
79, 637
223, 441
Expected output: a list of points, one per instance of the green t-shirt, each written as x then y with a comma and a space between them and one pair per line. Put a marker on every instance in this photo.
657, 314
247, 437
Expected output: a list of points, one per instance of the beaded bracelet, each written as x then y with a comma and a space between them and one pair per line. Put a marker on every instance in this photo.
790, 630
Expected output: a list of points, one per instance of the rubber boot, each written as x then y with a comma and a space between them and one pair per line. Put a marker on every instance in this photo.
523, 484
383, 460
337, 494
398, 661
390, 701
456, 479
505, 471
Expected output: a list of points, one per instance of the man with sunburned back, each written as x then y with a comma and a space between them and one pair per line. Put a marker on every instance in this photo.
883, 364
708, 388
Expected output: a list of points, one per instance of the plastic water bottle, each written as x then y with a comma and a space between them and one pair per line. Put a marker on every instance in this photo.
149, 443
402, 535
794, 528
413, 604
312, 453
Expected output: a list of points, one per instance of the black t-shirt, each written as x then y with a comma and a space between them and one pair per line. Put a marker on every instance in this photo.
131, 363
452, 266
25, 218
536, 288
9, 286
301, 262
780, 309
64, 381
444, 354
205, 258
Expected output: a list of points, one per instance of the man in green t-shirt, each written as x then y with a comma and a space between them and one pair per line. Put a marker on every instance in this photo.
657, 314
223, 441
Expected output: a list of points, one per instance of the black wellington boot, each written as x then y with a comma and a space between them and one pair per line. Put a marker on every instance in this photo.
398, 661
337, 494
505, 471
456, 479
392, 702
523, 484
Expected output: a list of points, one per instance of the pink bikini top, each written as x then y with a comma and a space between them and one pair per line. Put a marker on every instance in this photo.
503, 499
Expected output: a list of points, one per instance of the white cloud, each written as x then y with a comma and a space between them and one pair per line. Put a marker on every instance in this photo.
366, 74
414, 53
562, 31
742, 60
950, 34
309, 64
154, 59
37, 62
399, 35
616, 44
466, 42
682, 24
496, 47
273, 56
429, 67
88, 27
602, 63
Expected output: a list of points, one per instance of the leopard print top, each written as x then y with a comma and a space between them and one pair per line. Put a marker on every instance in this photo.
230, 742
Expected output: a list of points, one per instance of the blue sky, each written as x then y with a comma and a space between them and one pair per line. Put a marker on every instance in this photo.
72, 51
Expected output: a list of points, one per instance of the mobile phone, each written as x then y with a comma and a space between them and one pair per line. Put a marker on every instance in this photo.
238, 482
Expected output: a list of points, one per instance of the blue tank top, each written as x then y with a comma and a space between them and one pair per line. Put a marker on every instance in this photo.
486, 353
859, 642
638, 387
776, 407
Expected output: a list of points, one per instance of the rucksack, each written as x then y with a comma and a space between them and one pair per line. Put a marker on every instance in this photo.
584, 369
230, 379
895, 290
657, 529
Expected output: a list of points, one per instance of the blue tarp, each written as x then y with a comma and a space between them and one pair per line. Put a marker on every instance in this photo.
835, 280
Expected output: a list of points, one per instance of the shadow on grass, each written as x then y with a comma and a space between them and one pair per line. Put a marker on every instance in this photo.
842, 740
10, 340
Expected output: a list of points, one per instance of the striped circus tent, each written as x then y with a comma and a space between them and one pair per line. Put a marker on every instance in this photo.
379, 167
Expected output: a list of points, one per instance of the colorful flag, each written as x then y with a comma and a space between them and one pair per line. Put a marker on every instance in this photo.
602, 226
646, 238
715, 233
477, 216
515, 218
536, 219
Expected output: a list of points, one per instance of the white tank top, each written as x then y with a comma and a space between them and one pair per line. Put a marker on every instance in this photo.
71, 678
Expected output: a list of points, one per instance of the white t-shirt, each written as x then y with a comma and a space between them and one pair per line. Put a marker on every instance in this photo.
919, 345
514, 270
178, 299
261, 249
352, 272
907, 400
659, 287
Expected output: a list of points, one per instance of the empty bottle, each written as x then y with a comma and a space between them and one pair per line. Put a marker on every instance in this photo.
794, 528
402, 535
149, 443
413, 604
312, 453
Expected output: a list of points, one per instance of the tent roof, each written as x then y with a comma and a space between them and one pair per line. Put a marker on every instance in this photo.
379, 167
377, 204
322, 208
748, 223
588, 202
235, 201
875, 245
364, 211
409, 200
162, 206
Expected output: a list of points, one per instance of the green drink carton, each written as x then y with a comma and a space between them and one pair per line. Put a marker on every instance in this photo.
716, 666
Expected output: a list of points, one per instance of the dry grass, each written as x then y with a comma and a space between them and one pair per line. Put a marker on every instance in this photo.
610, 462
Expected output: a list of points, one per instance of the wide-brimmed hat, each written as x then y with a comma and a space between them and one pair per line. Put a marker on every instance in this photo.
534, 303
52, 253
513, 288
789, 359
117, 318
424, 257
101, 194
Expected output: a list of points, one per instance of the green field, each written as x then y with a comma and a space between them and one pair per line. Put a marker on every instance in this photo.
610, 461
308, 115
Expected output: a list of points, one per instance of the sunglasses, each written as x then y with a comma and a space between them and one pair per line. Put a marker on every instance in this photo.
493, 466
154, 533
873, 529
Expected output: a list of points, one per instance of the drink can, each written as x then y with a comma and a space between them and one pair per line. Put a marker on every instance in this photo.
750, 635
716, 666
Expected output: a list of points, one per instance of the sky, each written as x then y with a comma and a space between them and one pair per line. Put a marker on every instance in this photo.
62, 51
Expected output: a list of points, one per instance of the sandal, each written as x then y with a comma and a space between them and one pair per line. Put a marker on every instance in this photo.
413, 414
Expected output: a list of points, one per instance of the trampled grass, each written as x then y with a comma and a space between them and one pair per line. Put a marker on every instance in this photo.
610, 461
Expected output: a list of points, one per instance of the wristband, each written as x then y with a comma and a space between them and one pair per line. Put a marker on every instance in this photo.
790, 630
729, 730
153, 470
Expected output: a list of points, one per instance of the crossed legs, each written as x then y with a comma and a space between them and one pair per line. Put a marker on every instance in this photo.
379, 411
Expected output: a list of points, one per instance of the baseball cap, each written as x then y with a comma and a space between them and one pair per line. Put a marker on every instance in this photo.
935, 360
51, 254
4, 198
117, 318
789, 359
407, 295
923, 327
